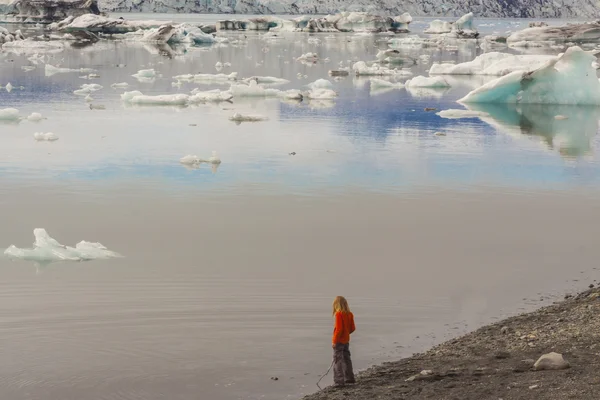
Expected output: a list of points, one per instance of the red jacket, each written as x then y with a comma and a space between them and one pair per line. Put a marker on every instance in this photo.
344, 326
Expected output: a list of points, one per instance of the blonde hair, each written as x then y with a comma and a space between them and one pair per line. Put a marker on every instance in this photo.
340, 304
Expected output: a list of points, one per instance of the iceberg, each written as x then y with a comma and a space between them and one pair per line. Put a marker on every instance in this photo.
320, 94
253, 89
570, 79
463, 28
424, 82
267, 80
101, 24
47, 250
86, 89
47, 137
52, 70
207, 79
309, 57
380, 84
494, 63
321, 84
122, 85
585, 32
192, 160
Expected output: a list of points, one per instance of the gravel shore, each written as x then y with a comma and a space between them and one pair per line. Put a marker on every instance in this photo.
497, 361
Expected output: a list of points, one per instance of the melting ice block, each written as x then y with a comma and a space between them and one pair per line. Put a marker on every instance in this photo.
459, 114
570, 79
192, 160
35, 117
427, 82
46, 250
137, 97
237, 117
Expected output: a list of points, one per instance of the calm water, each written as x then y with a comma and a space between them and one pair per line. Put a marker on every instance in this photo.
229, 272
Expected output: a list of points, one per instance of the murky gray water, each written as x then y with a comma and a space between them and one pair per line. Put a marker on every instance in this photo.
229, 272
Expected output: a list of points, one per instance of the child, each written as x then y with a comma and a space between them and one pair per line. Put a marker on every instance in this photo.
344, 326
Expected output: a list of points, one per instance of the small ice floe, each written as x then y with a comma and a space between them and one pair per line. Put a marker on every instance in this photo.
195, 160
321, 94
362, 69
9, 114
121, 85
308, 57
219, 66
239, 118
89, 98
210, 96
45, 137
8, 87
86, 89
35, 117
253, 89
494, 63
52, 70
427, 82
560, 117
93, 76
97, 107
137, 97
47, 250
208, 79
267, 80
145, 75
321, 84
458, 114
27, 68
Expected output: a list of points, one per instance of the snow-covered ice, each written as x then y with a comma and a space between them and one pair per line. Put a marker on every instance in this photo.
46, 250
427, 82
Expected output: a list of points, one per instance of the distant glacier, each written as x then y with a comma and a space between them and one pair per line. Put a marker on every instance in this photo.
449, 8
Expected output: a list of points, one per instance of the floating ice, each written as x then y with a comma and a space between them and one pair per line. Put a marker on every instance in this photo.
99, 23
321, 84
35, 117
137, 97
48, 137
97, 107
145, 75
207, 78
494, 63
195, 160
86, 89
122, 85
253, 89
585, 32
463, 28
52, 70
269, 80
459, 114
214, 159
46, 250
424, 82
8, 87
31, 46
309, 57
361, 68
570, 79
237, 117
321, 94
438, 26
9, 114
210, 96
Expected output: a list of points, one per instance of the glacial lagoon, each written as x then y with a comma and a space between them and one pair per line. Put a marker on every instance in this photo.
430, 226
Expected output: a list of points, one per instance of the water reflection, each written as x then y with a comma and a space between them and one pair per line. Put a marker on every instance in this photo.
567, 129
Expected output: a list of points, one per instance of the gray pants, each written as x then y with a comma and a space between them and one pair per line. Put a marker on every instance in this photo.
342, 365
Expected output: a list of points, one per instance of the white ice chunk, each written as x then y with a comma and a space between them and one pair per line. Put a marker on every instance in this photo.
569, 80
493, 63
207, 78
459, 114
268, 80
253, 89
137, 97
192, 160
214, 159
9, 114
321, 94
8, 87
35, 117
383, 84
438, 26
86, 89
52, 70
145, 74
427, 82
309, 57
210, 96
47, 250
361, 68
48, 137
122, 85
237, 117
321, 84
